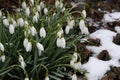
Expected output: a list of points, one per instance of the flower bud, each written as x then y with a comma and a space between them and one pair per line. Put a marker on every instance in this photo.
47, 78
26, 78
11, 29
27, 11
25, 42
57, 3
42, 32
74, 77
2, 47
33, 31
2, 58
0, 13
6, 22
29, 47
84, 13
45, 11
83, 28
24, 5
20, 22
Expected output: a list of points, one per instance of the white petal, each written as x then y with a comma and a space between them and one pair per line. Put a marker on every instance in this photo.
63, 42
40, 46
58, 42
67, 29
60, 32
74, 77
0, 13
6, 22
25, 42
84, 13
29, 47
33, 31
83, 28
45, 11
38, 8
2, 58
20, 22
11, 29
23, 5
47, 78
57, 3
42, 32
27, 11
26, 78
2, 47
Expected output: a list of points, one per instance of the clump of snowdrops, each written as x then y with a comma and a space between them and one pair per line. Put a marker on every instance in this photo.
38, 42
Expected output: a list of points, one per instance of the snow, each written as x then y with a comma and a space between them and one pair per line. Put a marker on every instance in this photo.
97, 68
117, 29
111, 17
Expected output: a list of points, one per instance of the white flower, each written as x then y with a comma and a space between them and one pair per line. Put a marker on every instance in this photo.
33, 31
61, 5
67, 29
40, 48
60, 32
63, 9
74, 77
71, 24
32, 2
28, 47
35, 19
47, 78
42, 32
26, 78
1, 47
20, 22
11, 29
57, 3
61, 42
2, 58
24, 5
45, 11
14, 23
6, 22
27, 11
75, 56
83, 28
38, 8
21, 60
0, 13
42, 5
26, 22
25, 42
84, 13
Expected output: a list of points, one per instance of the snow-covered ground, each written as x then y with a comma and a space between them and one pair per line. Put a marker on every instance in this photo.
97, 68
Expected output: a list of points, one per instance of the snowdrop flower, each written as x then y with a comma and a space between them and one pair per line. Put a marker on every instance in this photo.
21, 60
45, 11
14, 23
33, 31
47, 78
6, 22
26, 78
0, 13
25, 42
1, 47
61, 5
84, 13
42, 5
11, 29
57, 3
63, 9
60, 32
26, 22
2, 58
75, 56
74, 77
24, 5
83, 28
42, 32
61, 42
38, 8
27, 11
40, 48
20, 22
67, 29
28, 47
32, 2
35, 19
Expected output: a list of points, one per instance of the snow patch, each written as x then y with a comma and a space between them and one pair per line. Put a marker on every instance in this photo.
97, 68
